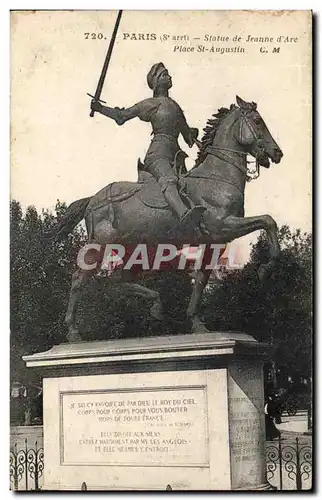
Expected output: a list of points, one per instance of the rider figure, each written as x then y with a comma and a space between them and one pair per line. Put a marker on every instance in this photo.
168, 121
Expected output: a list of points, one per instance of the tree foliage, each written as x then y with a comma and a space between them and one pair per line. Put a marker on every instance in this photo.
40, 283
279, 312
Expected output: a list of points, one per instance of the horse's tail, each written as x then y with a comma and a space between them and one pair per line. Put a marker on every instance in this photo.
74, 214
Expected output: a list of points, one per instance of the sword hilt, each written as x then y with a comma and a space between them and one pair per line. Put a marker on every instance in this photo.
98, 100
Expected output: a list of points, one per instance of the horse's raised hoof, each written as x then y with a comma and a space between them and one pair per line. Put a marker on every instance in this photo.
73, 336
198, 326
156, 311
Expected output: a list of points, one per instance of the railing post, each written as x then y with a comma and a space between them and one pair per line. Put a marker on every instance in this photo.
15, 476
298, 467
36, 467
26, 463
280, 461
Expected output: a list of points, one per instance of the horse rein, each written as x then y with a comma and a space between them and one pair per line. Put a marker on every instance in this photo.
219, 152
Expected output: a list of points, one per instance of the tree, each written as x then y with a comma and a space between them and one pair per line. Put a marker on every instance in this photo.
39, 283
280, 312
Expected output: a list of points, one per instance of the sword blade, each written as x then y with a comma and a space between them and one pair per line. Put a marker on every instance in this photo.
101, 80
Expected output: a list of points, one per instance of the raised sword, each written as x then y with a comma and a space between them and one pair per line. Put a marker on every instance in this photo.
97, 95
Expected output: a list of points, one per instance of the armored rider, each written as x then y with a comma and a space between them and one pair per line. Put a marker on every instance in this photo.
168, 121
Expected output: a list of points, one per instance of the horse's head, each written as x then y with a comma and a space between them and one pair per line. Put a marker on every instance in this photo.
253, 134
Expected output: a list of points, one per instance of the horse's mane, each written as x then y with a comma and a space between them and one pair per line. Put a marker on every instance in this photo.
210, 130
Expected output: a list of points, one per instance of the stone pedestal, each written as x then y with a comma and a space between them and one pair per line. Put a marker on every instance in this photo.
141, 414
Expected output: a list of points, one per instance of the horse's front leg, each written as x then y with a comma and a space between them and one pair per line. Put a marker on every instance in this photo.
201, 280
235, 227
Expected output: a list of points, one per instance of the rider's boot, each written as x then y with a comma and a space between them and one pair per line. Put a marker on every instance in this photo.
186, 215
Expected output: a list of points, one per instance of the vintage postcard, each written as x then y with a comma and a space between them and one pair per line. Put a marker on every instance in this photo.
161, 250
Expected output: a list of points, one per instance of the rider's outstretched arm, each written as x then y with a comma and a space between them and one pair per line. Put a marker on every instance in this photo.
141, 110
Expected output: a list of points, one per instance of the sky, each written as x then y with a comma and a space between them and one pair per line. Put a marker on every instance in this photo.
59, 152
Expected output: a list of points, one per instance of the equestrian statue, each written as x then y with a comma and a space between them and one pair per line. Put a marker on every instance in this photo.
170, 204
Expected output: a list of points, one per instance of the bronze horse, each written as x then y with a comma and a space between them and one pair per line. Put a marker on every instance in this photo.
118, 213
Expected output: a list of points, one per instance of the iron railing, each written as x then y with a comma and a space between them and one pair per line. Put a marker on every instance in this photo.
289, 465
26, 467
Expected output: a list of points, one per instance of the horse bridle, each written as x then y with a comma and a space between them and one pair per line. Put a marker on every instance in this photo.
220, 152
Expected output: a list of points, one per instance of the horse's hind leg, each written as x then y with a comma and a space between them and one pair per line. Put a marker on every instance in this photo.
156, 310
83, 275
201, 280
79, 278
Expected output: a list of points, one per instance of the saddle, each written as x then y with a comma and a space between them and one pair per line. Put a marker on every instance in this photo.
147, 188
150, 192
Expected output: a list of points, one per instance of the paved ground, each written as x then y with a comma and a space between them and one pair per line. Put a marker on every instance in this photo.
297, 423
